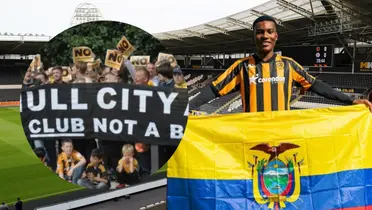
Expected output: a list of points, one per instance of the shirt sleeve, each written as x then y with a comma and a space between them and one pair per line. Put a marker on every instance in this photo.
131, 69
103, 171
229, 81
226, 83
77, 156
120, 160
300, 75
327, 91
60, 165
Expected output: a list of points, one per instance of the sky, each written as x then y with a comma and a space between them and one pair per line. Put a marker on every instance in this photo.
50, 17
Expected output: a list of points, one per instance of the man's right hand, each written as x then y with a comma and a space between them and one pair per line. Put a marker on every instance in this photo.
197, 112
365, 102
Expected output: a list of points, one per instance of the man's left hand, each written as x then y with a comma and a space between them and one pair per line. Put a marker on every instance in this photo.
363, 101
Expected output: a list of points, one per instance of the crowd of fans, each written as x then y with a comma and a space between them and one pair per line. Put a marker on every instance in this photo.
155, 74
105, 162
93, 173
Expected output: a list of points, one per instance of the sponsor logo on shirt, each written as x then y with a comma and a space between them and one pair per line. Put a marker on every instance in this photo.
256, 79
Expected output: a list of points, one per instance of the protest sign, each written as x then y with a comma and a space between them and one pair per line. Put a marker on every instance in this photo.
172, 60
36, 63
113, 59
83, 54
125, 47
141, 60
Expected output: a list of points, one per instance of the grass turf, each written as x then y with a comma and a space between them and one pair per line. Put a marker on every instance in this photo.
162, 169
21, 173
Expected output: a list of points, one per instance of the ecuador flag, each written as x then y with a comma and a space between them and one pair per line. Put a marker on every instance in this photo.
305, 159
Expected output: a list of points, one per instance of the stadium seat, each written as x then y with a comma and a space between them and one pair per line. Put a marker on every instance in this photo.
217, 103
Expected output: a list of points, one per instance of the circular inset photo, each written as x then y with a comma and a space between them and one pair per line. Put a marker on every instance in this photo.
103, 105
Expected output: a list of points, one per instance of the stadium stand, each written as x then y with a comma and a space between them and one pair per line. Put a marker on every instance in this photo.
235, 106
347, 80
232, 103
10, 75
218, 103
7, 95
321, 100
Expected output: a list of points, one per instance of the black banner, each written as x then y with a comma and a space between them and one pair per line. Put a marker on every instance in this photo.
117, 112
363, 67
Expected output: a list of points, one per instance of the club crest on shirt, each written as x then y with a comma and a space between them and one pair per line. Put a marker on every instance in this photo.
279, 64
276, 174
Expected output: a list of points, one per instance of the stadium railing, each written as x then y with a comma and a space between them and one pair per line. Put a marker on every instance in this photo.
105, 196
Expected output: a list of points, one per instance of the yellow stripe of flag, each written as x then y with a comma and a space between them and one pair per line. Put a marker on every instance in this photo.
330, 140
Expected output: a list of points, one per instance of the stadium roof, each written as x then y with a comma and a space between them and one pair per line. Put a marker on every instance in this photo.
28, 44
24, 44
334, 22
85, 12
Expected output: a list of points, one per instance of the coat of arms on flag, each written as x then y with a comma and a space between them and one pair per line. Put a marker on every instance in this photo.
276, 179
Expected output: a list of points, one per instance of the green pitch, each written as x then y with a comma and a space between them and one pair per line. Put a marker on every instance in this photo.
21, 173
163, 168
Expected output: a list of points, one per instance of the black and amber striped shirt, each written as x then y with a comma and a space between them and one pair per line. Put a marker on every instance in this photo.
65, 163
98, 170
263, 85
